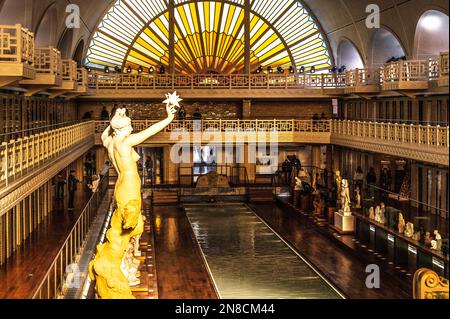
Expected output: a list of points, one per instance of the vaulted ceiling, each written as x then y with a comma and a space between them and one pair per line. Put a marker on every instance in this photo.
339, 19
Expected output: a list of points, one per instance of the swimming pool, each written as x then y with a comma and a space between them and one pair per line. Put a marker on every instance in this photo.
248, 260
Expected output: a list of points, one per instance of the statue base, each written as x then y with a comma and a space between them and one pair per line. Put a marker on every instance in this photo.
344, 223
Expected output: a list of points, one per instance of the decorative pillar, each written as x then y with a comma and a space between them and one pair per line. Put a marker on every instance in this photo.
246, 109
247, 48
316, 156
250, 162
171, 37
170, 169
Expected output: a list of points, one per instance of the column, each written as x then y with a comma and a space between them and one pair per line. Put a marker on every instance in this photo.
171, 37
247, 30
246, 109
170, 169
250, 162
316, 156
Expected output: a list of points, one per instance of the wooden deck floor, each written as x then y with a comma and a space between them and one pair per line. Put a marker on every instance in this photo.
180, 268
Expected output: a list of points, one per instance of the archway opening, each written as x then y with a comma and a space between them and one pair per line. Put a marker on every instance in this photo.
349, 56
45, 34
65, 44
78, 55
431, 35
384, 47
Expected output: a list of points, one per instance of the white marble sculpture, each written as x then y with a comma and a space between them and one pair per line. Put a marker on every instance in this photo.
434, 245
438, 239
371, 213
130, 267
409, 231
345, 198
378, 214
298, 184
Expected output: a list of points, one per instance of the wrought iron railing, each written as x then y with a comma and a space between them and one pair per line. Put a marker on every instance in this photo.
52, 285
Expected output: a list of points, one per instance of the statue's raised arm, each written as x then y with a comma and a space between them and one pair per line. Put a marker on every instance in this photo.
172, 103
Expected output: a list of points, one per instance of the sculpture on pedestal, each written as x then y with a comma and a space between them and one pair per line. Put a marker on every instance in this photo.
371, 213
298, 184
358, 197
409, 231
383, 213
127, 220
345, 198
438, 239
338, 181
401, 223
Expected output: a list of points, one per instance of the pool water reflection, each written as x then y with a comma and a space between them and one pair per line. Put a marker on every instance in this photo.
248, 260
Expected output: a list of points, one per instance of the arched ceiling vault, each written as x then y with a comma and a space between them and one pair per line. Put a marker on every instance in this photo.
337, 21
209, 36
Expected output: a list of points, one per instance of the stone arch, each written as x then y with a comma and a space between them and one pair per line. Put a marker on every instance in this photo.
432, 33
383, 46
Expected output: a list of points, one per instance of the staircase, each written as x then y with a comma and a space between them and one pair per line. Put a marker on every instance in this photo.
165, 197
260, 194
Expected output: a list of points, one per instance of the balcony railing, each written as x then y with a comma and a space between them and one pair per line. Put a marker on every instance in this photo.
20, 157
362, 77
52, 286
48, 61
16, 44
69, 70
82, 77
292, 126
197, 81
406, 75
443, 64
419, 135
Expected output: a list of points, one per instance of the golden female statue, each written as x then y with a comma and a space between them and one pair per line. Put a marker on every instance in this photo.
127, 220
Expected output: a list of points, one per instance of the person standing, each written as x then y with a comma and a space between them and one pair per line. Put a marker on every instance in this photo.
88, 164
371, 179
72, 185
60, 184
286, 167
105, 114
182, 114
359, 177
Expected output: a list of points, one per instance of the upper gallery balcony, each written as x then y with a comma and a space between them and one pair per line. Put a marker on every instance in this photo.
233, 131
443, 69
27, 162
362, 81
49, 67
16, 54
69, 79
423, 143
107, 85
409, 75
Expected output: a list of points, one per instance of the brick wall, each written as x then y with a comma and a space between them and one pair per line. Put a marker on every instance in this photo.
156, 110
290, 109
219, 110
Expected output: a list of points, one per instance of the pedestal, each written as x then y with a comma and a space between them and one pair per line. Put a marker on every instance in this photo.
331, 212
344, 224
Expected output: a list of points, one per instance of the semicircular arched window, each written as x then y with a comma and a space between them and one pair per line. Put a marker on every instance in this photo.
209, 36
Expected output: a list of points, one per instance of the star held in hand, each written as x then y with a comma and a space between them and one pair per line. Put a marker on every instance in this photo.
173, 99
